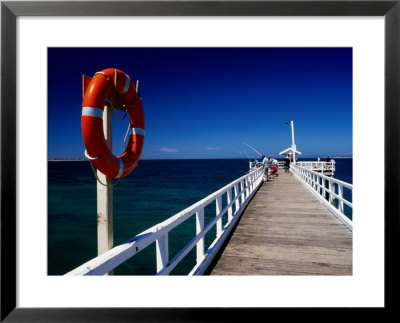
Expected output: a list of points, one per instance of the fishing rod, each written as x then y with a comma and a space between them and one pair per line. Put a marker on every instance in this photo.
256, 162
247, 156
253, 149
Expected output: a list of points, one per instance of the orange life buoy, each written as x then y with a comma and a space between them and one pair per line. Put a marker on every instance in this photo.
112, 85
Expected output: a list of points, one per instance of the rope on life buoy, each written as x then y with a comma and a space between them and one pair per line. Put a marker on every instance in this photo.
98, 179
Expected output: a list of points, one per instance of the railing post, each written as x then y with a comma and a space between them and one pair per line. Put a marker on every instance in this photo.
330, 192
237, 202
326, 185
340, 193
162, 252
320, 190
229, 200
199, 228
218, 209
242, 191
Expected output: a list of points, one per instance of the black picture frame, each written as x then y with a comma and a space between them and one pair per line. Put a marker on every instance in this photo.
10, 10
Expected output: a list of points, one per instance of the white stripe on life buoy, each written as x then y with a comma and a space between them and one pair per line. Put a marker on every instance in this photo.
92, 111
136, 131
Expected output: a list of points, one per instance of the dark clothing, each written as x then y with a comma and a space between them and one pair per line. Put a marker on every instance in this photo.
287, 163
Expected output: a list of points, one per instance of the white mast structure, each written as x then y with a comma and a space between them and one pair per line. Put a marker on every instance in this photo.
293, 149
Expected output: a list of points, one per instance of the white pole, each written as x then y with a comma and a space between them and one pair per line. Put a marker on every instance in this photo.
291, 123
293, 144
105, 237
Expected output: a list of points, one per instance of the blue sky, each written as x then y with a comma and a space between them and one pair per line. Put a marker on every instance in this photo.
206, 102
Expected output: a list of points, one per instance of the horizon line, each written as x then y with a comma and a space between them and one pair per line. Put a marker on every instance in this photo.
187, 158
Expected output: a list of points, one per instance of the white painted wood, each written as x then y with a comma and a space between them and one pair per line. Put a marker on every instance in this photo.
218, 208
242, 191
320, 190
293, 148
162, 252
340, 193
199, 228
326, 168
105, 237
184, 251
229, 200
237, 205
159, 233
215, 247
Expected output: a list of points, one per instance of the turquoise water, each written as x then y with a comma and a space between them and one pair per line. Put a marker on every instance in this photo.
156, 190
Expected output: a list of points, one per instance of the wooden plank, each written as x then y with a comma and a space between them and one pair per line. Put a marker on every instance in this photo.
285, 230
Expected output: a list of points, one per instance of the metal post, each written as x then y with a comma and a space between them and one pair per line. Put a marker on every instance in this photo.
105, 237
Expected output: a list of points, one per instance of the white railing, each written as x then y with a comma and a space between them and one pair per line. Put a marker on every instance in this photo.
313, 165
327, 190
238, 194
318, 166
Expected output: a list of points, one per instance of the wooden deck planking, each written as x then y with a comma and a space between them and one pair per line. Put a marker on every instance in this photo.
285, 230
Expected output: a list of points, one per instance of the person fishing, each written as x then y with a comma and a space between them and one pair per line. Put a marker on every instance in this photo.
273, 165
265, 161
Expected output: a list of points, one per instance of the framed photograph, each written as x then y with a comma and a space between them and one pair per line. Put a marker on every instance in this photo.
43, 42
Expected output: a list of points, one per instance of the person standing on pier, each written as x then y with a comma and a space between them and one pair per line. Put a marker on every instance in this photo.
287, 163
265, 162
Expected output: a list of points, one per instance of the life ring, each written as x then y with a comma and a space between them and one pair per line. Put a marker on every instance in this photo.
112, 85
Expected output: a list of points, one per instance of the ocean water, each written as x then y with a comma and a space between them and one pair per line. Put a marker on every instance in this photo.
153, 192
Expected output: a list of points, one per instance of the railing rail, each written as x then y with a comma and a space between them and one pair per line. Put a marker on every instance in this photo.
319, 166
313, 165
238, 194
327, 189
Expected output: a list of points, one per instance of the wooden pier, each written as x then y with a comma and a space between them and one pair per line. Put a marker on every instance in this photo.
286, 230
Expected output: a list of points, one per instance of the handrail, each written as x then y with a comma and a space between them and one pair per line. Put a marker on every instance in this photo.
317, 182
243, 190
317, 165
